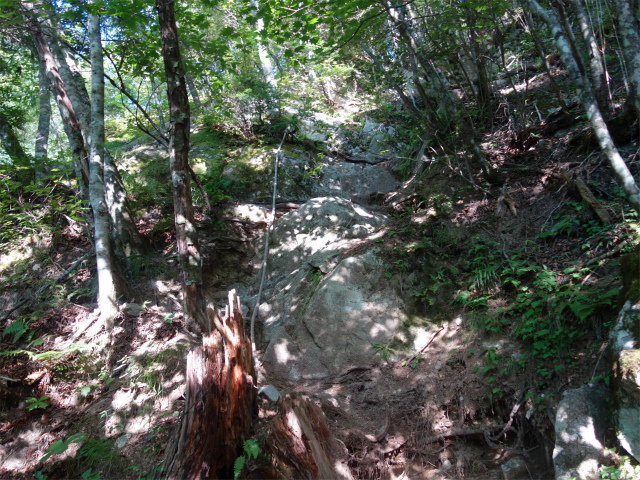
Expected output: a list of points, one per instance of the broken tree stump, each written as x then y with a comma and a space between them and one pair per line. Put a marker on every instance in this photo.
220, 400
300, 440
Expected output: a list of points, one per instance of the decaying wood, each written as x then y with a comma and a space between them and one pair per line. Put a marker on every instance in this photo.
588, 197
300, 440
578, 188
219, 402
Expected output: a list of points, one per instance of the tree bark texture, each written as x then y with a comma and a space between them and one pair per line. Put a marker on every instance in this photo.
67, 112
44, 122
300, 439
106, 285
620, 169
220, 400
628, 25
194, 93
124, 233
186, 233
598, 74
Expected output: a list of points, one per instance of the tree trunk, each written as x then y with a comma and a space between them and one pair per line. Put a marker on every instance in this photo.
44, 123
628, 25
620, 169
220, 400
124, 234
598, 74
265, 61
440, 84
106, 285
11, 144
186, 233
67, 113
300, 439
194, 94
156, 99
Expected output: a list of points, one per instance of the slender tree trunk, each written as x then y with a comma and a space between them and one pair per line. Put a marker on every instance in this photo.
194, 94
44, 123
124, 233
620, 169
598, 74
106, 284
13, 148
440, 84
417, 114
67, 112
545, 62
628, 25
186, 233
156, 99
265, 61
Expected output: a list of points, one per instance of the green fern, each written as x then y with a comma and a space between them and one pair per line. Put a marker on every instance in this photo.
51, 354
238, 465
252, 448
18, 328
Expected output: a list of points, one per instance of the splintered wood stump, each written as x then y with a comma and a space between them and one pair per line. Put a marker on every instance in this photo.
219, 402
301, 440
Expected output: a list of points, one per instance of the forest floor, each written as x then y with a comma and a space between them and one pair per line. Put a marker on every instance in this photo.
421, 417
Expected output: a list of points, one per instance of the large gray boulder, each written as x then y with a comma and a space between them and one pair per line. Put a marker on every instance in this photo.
323, 308
580, 429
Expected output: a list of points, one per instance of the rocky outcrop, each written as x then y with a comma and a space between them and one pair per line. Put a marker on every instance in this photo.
624, 343
323, 308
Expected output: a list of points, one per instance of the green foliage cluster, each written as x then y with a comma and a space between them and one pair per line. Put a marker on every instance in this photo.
251, 452
27, 209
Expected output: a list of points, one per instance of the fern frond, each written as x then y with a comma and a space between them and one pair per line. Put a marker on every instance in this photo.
238, 465
18, 327
252, 448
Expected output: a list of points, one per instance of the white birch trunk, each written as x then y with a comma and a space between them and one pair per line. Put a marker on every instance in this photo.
595, 58
631, 43
106, 285
44, 122
620, 169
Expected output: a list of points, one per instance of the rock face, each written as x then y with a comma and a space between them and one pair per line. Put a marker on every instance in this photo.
580, 428
625, 356
323, 309
348, 179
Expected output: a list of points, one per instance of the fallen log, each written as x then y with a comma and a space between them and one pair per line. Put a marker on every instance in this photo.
220, 400
301, 441
588, 197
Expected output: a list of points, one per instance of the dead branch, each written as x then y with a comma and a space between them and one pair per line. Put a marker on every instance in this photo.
381, 434
411, 358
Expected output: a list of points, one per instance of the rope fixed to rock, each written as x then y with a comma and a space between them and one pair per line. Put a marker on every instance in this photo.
266, 250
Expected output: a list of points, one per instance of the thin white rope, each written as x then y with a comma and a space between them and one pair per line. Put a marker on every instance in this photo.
266, 252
